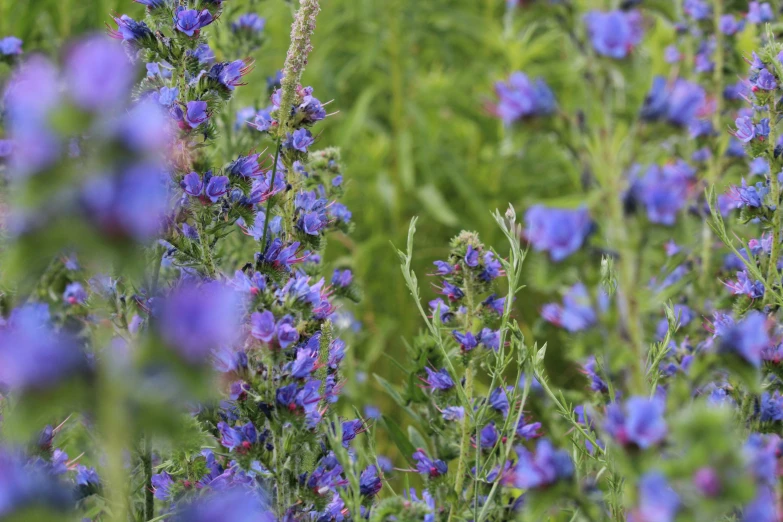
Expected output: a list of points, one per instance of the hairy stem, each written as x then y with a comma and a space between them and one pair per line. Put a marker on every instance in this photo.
206, 251
149, 498
464, 446
271, 187
774, 188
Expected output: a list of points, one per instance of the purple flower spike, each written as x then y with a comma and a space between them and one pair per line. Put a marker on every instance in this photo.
190, 21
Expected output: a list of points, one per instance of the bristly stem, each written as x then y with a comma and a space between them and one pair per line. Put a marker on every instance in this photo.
714, 168
774, 188
271, 188
464, 446
149, 498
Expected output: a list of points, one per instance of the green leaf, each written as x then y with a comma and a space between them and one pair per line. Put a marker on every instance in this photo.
432, 200
400, 440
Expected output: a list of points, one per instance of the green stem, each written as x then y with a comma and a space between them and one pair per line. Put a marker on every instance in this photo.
206, 251
149, 498
271, 187
464, 446
713, 172
774, 255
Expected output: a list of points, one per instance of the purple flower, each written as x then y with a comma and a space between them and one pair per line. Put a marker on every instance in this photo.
245, 166
211, 189
759, 13
678, 103
237, 439
664, 191
286, 396
196, 319
129, 30
746, 131
438, 380
544, 468
428, 467
161, 484
467, 341
639, 421
765, 81
196, 113
528, 431
33, 355
203, 53
729, 25
763, 508
237, 503
262, 326
10, 45
453, 413
707, 481
519, 98
26, 485
590, 369
488, 436
614, 34
747, 338
658, 502
300, 140
490, 339
87, 477
498, 400
190, 21
575, 314
167, 96
98, 74
250, 22
342, 278
287, 334
304, 364
229, 74
369, 482
75, 294
561, 232
745, 286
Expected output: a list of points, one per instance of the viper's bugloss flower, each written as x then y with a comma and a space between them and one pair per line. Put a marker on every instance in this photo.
237, 503
210, 189
263, 120
279, 255
431, 468
765, 81
203, 53
191, 21
300, 140
152, 4
576, 312
129, 30
760, 456
664, 190
245, 166
439, 380
453, 413
519, 98
543, 468
75, 294
763, 508
560, 232
10, 46
33, 355
98, 74
26, 484
198, 318
770, 407
195, 114
639, 421
167, 96
590, 369
161, 484
657, 501
615, 33
528, 431
133, 204
229, 74
467, 341
249, 22
746, 338
697, 9
759, 13
745, 286
749, 196
729, 25
310, 110
342, 278
679, 103
369, 482
238, 439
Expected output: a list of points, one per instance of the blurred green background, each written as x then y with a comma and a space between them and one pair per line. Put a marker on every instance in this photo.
411, 81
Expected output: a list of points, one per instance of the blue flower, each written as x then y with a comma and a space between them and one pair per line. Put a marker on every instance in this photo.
467, 341
729, 25
369, 482
438, 380
765, 81
615, 33
759, 13
167, 96
10, 45
429, 467
575, 314
561, 232
75, 294
98, 74
190, 21
746, 131
211, 189
250, 22
262, 326
236, 503
342, 278
541, 469
519, 98
130, 30
300, 140
658, 502
196, 319
639, 421
203, 53
746, 339
229, 74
